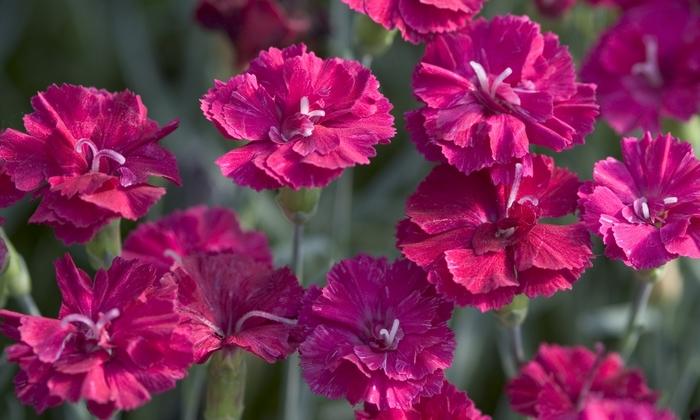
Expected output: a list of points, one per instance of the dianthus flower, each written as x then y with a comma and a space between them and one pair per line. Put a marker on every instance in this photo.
419, 20
113, 345
378, 334
492, 91
164, 243
450, 403
304, 119
484, 243
647, 66
230, 301
647, 208
251, 25
87, 153
554, 8
576, 383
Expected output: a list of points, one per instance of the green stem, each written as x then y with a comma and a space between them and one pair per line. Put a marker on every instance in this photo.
292, 406
26, 302
516, 344
225, 386
634, 326
512, 317
105, 246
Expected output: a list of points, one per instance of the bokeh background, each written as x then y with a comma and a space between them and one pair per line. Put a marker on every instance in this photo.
155, 48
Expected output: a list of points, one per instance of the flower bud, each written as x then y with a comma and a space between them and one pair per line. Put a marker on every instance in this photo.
372, 39
298, 205
105, 246
14, 276
514, 313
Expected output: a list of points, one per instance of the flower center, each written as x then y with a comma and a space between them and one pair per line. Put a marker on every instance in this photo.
649, 68
389, 336
654, 215
490, 88
177, 258
300, 123
96, 154
265, 315
93, 331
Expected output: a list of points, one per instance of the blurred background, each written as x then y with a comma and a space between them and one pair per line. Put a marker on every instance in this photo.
157, 49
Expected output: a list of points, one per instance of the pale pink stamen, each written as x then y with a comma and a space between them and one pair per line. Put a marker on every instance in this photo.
483, 78
650, 66
97, 154
390, 336
262, 314
670, 200
177, 258
516, 185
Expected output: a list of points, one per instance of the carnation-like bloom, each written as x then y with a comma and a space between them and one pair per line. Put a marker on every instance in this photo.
377, 333
304, 119
492, 91
251, 25
576, 383
230, 301
647, 66
419, 20
554, 8
114, 343
165, 242
450, 403
484, 243
646, 208
87, 153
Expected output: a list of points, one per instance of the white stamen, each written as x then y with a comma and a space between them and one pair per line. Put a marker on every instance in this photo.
650, 66
529, 198
498, 80
97, 154
263, 314
645, 209
85, 142
670, 200
390, 336
177, 258
82, 319
505, 233
516, 185
105, 318
304, 105
480, 75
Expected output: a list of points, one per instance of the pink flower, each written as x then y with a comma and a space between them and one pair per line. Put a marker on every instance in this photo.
230, 301
483, 243
251, 25
378, 334
87, 153
113, 345
304, 119
200, 229
647, 209
450, 403
647, 66
554, 8
574, 382
491, 91
419, 20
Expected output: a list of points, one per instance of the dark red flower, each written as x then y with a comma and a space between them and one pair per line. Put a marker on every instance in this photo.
492, 91
304, 119
376, 333
164, 243
647, 66
575, 383
419, 20
230, 301
554, 8
88, 154
251, 25
450, 403
113, 345
484, 243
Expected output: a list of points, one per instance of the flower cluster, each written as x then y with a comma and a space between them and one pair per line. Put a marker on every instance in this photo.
574, 382
88, 154
305, 119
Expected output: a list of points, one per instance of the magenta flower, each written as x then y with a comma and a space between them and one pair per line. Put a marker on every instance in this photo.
378, 334
574, 382
647, 66
450, 403
647, 209
87, 153
419, 20
113, 345
484, 243
304, 119
251, 25
492, 91
554, 8
230, 301
200, 229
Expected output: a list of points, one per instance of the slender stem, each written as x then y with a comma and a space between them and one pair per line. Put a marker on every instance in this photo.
292, 406
517, 349
26, 302
105, 246
634, 327
342, 215
191, 396
297, 262
225, 386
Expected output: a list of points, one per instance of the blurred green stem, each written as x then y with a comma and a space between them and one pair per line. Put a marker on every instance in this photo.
512, 317
105, 246
15, 280
26, 302
647, 279
225, 386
